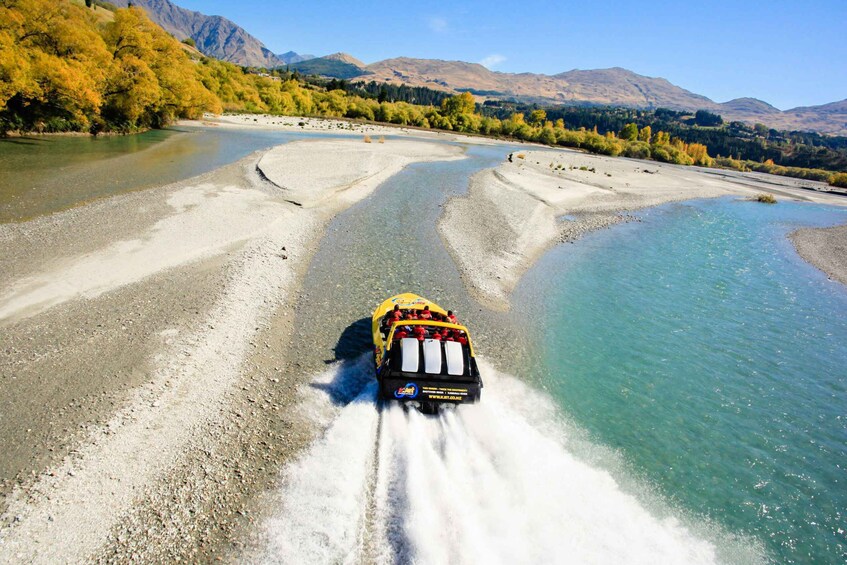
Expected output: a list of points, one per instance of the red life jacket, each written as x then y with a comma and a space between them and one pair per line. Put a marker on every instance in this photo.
426, 315
452, 319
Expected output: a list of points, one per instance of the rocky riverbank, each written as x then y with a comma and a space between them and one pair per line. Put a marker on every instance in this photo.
825, 248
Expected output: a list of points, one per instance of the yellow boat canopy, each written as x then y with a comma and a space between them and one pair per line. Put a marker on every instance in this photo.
410, 301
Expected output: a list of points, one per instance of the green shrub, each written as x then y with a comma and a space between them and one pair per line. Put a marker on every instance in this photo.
660, 153
765, 198
730, 163
839, 180
637, 150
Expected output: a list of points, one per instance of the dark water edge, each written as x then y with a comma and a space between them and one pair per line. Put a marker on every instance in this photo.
41, 175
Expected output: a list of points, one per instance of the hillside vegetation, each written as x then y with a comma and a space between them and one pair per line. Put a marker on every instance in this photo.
63, 68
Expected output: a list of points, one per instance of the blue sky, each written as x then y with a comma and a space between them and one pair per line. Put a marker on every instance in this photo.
788, 53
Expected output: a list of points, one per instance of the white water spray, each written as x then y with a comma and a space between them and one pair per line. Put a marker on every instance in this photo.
489, 483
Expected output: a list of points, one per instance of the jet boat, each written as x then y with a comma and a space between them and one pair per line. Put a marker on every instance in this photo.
428, 361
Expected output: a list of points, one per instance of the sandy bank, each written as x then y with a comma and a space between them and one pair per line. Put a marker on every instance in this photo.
306, 178
514, 212
222, 254
825, 248
353, 128
294, 123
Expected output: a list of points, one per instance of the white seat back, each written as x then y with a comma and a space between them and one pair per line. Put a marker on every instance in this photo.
432, 356
455, 359
409, 349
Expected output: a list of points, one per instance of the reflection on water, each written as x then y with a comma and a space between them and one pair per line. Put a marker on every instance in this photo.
44, 174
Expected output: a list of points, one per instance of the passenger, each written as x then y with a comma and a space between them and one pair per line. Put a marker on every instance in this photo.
420, 332
436, 335
460, 337
400, 334
426, 314
392, 316
451, 318
411, 314
447, 336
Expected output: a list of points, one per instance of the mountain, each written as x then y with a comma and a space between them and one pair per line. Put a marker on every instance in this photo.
337, 65
214, 36
749, 106
346, 58
827, 118
450, 76
612, 87
292, 57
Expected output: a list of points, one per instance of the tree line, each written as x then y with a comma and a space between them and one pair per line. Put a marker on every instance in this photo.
738, 140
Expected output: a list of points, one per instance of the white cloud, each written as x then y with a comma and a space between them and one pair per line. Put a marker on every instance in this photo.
492, 61
438, 25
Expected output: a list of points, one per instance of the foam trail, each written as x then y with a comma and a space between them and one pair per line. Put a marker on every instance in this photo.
491, 483
324, 492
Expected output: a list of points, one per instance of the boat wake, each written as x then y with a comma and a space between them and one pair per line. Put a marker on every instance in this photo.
492, 483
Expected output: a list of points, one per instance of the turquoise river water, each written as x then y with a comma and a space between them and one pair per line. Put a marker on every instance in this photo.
692, 357
704, 349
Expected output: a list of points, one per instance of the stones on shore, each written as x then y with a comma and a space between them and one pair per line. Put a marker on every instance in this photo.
570, 231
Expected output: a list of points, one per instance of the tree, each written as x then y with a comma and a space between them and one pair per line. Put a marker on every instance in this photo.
707, 119
629, 132
52, 62
645, 134
661, 138
152, 81
463, 103
537, 117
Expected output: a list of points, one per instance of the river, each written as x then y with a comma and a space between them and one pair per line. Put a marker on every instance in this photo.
670, 389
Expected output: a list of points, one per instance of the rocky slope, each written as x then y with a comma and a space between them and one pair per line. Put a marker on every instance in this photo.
215, 36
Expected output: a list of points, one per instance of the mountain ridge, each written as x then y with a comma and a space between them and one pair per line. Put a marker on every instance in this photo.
614, 86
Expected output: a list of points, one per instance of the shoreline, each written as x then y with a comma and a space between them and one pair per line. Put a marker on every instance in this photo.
539, 199
824, 249
231, 251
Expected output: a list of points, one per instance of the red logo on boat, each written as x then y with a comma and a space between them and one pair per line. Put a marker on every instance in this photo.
408, 391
